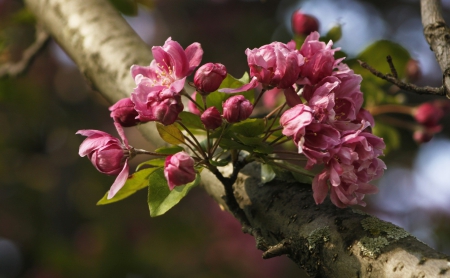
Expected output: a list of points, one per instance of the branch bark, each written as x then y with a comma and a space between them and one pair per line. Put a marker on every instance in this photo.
437, 35
323, 240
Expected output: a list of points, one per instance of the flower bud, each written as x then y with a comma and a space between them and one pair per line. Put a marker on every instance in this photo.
211, 118
208, 77
303, 24
179, 169
428, 113
236, 109
124, 113
106, 152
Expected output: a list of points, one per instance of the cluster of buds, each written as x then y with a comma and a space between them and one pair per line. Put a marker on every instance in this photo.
428, 116
326, 122
325, 119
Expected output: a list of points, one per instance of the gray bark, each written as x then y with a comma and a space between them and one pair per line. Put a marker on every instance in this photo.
323, 240
437, 35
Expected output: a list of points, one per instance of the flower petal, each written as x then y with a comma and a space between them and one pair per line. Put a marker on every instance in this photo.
120, 181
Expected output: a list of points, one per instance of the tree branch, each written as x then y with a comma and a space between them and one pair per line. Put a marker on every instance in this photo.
437, 35
324, 240
402, 85
19, 67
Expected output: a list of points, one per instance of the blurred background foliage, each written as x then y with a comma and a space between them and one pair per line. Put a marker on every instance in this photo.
50, 225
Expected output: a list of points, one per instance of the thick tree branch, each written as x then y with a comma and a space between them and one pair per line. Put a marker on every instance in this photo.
437, 35
324, 240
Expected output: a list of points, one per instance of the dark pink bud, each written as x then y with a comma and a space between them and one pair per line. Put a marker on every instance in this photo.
123, 112
211, 118
236, 109
303, 24
179, 169
106, 152
425, 134
208, 77
429, 113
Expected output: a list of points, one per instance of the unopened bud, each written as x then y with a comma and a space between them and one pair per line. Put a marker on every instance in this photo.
208, 77
124, 113
236, 109
303, 24
211, 118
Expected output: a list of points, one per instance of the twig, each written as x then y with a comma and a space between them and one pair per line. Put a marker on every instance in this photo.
391, 66
19, 67
404, 85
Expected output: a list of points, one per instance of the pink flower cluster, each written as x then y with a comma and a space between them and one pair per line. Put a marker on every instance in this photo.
157, 95
331, 128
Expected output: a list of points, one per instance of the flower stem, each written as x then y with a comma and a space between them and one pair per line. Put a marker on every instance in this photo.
390, 108
195, 139
259, 97
141, 151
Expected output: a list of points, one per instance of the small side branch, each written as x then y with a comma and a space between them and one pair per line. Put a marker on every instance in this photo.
403, 85
17, 68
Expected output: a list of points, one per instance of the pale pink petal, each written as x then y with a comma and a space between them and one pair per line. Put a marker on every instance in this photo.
120, 181
194, 54
121, 132
320, 187
253, 84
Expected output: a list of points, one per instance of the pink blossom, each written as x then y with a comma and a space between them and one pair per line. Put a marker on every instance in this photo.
157, 95
272, 65
303, 24
208, 77
236, 109
317, 141
276, 64
294, 121
319, 60
171, 62
179, 169
108, 155
211, 118
124, 113
156, 103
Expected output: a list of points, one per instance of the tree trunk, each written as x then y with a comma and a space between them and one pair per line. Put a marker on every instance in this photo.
323, 240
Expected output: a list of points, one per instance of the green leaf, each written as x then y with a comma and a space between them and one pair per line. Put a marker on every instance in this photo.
191, 120
156, 162
136, 181
267, 173
229, 144
249, 127
170, 133
160, 197
217, 98
169, 150
219, 163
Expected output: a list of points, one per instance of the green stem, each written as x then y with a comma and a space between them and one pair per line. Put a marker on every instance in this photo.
195, 139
